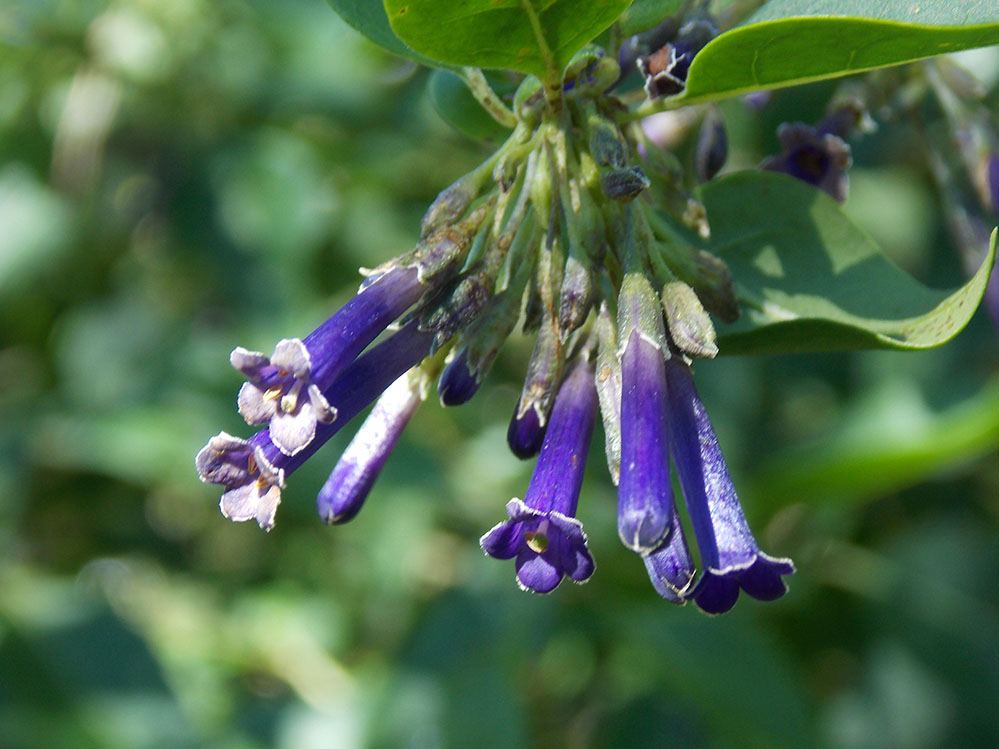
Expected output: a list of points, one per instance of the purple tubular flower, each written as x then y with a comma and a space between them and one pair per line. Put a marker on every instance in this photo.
670, 567
253, 487
729, 553
813, 156
543, 534
645, 497
355, 473
273, 393
457, 383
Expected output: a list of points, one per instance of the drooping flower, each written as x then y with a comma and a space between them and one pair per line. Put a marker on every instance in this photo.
645, 497
729, 553
355, 473
542, 532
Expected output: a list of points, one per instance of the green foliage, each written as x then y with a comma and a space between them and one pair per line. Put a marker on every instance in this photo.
455, 104
534, 36
368, 17
794, 41
814, 281
251, 156
644, 14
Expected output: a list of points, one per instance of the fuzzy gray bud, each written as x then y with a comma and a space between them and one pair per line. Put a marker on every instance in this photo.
689, 325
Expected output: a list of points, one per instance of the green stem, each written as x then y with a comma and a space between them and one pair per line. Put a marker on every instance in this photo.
488, 98
553, 76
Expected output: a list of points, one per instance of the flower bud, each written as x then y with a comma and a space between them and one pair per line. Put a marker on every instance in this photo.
689, 325
457, 307
606, 145
544, 372
624, 184
608, 382
355, 473
577, 296
639, 311
529, 99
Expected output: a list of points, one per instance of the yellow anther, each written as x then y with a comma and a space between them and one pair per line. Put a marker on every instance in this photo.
536, 542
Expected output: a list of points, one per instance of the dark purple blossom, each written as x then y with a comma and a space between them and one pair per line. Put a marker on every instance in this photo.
525, 433
645, 497
542, 532
644, 494
812, 155
729, 554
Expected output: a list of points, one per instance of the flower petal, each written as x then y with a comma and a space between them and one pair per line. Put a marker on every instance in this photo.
324, 411
251, 363
764, 579
224, 460
292, 432
503, 540
254, 404
568, 548
255, 500
291, 356
535, 573
715, 594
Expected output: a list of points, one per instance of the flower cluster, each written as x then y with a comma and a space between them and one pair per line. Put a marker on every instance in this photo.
556, 232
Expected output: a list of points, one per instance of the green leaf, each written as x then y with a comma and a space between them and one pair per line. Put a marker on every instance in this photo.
644, 14
456, 105
500, 33
368, 17
788, 42
813, 281
891, 438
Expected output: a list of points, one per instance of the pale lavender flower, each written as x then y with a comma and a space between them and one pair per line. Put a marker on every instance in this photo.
355, 473
253, 484
253, 487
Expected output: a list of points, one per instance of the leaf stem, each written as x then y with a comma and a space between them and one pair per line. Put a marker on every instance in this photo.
488, 98
553, 77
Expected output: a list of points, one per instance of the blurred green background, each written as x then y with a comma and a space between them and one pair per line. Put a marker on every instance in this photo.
178, 178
